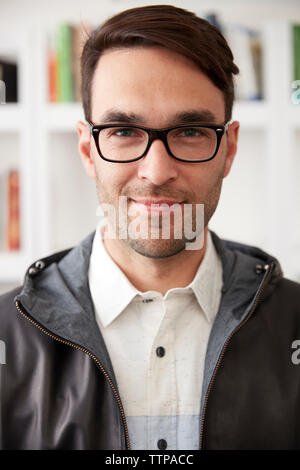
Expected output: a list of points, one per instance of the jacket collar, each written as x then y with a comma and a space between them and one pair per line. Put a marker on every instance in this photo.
58, 297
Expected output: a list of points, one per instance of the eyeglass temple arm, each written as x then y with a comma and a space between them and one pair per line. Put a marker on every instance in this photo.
226, 126
89, 126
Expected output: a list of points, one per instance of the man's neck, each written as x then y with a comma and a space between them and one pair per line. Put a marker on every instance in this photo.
156, 274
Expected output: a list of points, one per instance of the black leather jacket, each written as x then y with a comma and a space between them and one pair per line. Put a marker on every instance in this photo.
58, 389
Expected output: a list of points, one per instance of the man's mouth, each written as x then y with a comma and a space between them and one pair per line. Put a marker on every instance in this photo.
155, 205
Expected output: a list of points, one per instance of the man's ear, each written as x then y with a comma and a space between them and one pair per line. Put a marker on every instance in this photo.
84, 148
232, 140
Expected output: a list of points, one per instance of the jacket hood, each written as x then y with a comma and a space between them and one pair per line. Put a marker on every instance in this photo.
56, 294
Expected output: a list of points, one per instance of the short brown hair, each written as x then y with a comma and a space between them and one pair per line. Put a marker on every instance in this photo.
168, 26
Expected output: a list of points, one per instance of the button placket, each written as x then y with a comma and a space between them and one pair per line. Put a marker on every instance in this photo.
157, 311
164, 389
165, 366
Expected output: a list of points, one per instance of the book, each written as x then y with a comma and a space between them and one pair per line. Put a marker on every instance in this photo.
257, 58
213, 18
296, 50
9, 75
10, 225
52, 71
64, 57
13, 210
247, 51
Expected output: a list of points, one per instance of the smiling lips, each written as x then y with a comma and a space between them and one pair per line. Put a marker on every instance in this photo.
148, 204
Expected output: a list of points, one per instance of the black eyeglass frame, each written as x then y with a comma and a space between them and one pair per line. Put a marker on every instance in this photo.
160, 134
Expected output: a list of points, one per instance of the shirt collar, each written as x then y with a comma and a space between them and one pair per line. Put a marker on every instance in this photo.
112, 291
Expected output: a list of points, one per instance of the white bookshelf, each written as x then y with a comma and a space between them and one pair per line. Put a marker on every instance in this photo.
260, 200
16, 127
12, 117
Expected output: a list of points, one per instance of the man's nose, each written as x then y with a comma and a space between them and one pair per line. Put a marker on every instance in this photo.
157, 165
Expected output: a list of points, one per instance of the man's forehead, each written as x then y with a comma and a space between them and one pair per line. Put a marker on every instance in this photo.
153, 65
137, 90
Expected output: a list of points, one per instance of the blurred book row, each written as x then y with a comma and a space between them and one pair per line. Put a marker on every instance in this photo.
246, 45
247, 48
65, 47
66, 41
9, 210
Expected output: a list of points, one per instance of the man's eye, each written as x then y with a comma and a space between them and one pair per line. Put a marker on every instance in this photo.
194, 132
124, 132
190, 132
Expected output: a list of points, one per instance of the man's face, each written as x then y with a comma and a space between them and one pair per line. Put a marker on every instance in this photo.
155, 84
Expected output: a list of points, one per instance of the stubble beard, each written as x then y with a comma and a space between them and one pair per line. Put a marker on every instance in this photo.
160, 247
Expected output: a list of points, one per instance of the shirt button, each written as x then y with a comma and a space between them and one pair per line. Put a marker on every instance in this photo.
160, 351
162, 444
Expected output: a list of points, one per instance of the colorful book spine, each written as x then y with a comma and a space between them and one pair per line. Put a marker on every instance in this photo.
64, 55
13, 232
10, 210
52, 73
296, 50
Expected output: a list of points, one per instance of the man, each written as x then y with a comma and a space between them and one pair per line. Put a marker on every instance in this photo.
145, 342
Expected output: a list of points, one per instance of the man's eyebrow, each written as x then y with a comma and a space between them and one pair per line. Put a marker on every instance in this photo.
114, 115
183, 117
186, 117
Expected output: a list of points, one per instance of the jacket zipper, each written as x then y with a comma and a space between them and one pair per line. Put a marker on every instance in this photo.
225, 347
76, 346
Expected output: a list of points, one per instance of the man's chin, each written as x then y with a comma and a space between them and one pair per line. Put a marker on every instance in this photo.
156, 248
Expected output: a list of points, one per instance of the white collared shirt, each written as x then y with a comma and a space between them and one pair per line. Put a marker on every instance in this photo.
160, 389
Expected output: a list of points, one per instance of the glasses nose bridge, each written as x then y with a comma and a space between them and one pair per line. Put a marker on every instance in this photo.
158, 135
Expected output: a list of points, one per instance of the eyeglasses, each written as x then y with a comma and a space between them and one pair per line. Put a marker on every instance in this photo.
192, 143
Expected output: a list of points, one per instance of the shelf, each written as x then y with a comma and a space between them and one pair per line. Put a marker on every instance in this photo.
12, 117
14, 265
62, 117
251, 114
